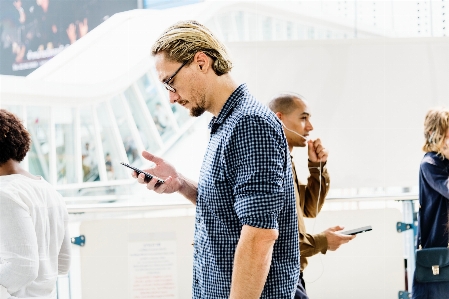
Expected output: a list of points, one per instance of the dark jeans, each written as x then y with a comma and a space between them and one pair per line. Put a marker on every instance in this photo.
430, 290
301, 289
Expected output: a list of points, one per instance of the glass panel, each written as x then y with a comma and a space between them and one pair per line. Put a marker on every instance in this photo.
226, 27
240, 24
111, 151
65, 145
141, 123
267, 29
38, 120
338, 34
301, 32
289, 30
311, 33
253, 27
280, 31
88, 146
125, 131
158, 112
319, 33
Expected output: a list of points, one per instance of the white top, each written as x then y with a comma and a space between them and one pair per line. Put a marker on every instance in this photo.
34, 240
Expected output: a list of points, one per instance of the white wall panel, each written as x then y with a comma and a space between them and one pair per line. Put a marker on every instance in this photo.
368, 99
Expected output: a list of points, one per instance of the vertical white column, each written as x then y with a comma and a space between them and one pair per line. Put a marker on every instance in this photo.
132, 125
409, 241
99, 152
147, 116
52, 149
77, 151
116, 132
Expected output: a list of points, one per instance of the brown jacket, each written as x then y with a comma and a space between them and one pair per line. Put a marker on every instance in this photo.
306, 206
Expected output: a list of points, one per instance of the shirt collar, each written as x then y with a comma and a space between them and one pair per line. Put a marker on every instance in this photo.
234, 99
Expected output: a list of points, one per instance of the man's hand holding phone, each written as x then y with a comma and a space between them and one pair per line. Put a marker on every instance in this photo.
335, 239
162, 170
165, 178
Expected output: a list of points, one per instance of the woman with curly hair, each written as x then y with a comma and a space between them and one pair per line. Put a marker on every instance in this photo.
433, 198
34, 240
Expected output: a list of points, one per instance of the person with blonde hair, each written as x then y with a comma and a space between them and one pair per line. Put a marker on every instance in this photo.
433, 201
246, 233
34, 239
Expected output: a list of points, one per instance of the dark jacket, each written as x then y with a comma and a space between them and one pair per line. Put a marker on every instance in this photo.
433, 201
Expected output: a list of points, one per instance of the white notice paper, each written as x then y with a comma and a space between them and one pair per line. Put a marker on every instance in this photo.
153, 269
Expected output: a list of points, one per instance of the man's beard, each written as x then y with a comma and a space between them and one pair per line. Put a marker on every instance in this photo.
199, 109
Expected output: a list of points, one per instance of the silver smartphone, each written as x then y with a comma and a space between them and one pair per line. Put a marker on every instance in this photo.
356, 231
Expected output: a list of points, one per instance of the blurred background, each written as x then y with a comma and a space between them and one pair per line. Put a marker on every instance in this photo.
81, 77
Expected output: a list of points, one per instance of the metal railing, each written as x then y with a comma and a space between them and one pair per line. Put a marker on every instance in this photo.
406, 203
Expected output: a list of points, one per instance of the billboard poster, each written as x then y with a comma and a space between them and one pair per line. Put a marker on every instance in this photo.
34, 31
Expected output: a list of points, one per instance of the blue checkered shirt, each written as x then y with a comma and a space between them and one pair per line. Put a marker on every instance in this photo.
246, 179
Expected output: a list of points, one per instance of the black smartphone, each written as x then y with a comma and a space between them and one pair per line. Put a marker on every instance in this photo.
148, 176
357, 230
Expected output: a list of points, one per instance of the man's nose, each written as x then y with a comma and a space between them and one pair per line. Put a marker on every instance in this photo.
309, 126
173, 96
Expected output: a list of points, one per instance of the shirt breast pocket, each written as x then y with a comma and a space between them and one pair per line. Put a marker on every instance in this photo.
220, 199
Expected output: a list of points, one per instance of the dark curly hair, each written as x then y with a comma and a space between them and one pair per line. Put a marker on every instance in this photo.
15, 140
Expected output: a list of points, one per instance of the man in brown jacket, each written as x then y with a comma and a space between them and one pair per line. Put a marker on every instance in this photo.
295, 117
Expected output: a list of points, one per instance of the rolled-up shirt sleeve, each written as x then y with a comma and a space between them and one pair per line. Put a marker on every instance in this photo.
259, 165
19, 257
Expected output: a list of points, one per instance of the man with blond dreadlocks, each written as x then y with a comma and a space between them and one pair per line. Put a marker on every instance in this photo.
246, 233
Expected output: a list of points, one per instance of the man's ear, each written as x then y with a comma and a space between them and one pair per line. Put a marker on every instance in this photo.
203, 61
279, 115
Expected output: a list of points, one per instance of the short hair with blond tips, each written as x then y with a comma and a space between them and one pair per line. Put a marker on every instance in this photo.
181, 41
436, 125
285, 102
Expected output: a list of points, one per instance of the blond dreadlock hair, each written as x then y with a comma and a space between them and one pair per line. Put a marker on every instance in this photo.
181, 41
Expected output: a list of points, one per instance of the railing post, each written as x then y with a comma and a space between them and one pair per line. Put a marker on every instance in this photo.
409, 240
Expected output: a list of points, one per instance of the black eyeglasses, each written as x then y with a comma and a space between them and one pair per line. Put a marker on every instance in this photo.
167, 82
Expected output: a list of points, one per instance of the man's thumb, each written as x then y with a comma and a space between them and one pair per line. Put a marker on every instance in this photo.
337, 228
